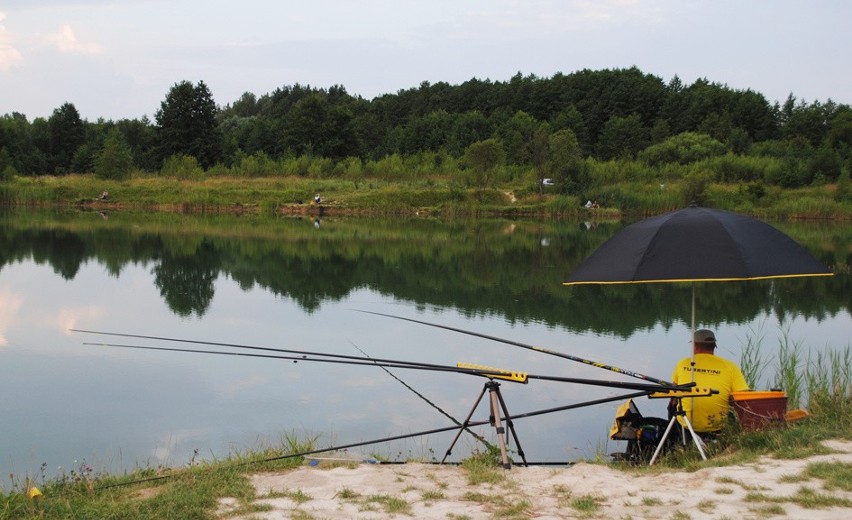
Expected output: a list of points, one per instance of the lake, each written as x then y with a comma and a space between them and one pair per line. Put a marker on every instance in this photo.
301, 284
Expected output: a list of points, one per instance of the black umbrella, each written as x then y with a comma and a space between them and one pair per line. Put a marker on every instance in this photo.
696, 245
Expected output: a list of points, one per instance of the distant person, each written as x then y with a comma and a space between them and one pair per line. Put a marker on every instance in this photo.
588, 204
317, 199
708, 415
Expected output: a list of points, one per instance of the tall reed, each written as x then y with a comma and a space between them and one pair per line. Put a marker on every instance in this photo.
828, 379
788, 376
752, 361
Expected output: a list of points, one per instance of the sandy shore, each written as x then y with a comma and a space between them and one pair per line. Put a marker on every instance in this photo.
425, 491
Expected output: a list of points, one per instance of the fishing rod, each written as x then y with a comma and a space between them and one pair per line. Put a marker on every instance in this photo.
399, 437
161, 338
526, 346
253, 347
489, 372
341, 356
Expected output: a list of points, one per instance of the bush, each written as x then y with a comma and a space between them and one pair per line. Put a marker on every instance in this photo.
694, 188
685, 148
257, 165
182, 167
734, 168
8, 173
843, 193
116, 159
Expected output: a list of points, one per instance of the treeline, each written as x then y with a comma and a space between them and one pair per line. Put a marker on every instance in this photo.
569, 127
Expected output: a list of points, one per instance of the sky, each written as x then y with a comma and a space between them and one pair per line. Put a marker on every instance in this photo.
117, 59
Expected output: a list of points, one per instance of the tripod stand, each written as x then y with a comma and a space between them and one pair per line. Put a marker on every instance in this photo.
695, 438
495, 398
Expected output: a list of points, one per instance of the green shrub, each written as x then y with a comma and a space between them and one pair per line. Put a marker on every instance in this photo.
182, 167
693, 189
843, 193
8, 173
256, 165
734, 168
685, 148
116, 158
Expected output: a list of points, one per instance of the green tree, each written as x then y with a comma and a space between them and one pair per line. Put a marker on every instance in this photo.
467, 128
571, 119
141, 136
569, 170
540, 153
427, 133
7, 171
824, 163
517, 134
116, 158
186, 123
67, 134
482, 159
840, 133
622, 138
808, 121
316, 126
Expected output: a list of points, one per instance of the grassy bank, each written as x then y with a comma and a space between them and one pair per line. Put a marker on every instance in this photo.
423, 196
194, 491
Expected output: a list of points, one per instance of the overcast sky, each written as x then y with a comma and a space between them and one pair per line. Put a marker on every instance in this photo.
118, 58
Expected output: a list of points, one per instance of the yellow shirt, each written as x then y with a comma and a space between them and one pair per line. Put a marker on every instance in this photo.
708, 414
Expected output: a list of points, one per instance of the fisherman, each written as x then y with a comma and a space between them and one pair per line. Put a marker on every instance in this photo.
708, 415
317, 199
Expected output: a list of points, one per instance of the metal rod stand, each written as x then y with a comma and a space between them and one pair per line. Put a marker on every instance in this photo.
496, 406
695, 438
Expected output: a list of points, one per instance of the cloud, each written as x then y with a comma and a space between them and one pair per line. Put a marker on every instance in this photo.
66, 42
9, 55
68, 318
10, 304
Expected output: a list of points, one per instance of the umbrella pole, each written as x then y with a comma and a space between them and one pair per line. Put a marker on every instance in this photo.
692, 366
693, 309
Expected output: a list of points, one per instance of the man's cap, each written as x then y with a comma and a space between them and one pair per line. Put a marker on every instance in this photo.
704, 336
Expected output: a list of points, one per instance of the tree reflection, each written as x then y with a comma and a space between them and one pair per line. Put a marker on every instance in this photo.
186, 280
478, 267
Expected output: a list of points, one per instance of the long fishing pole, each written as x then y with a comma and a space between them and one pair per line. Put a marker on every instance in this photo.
253, 347
426, 399
489, 373
526, 346
399, 437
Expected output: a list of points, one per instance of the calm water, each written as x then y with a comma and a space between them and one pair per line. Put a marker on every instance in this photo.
299, 284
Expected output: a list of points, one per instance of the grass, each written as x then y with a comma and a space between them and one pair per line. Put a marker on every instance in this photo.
428, 193
587, 505
484, 467
805, 497
390, 505
835, 475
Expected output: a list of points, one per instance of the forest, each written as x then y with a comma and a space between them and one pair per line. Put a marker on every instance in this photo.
579, 129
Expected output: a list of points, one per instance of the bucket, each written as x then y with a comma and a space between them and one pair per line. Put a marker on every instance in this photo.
760, 410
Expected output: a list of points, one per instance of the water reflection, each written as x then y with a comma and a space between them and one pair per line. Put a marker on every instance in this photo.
281, 283
513, 269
